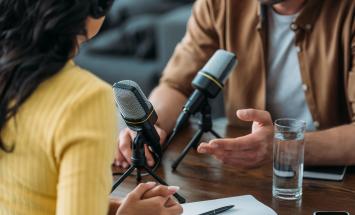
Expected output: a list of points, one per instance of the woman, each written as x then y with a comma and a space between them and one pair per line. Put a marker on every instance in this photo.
56, 120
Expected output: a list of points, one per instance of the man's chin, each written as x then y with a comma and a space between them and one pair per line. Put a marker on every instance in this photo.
270, 2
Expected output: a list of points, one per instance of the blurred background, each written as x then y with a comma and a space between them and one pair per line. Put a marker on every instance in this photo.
136, 42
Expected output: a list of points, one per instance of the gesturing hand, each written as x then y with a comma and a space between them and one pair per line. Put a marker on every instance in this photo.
247, 151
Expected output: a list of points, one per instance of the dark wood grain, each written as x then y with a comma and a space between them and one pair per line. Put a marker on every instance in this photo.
203, 178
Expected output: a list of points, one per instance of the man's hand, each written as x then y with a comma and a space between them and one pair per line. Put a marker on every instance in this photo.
124, 149
247, 151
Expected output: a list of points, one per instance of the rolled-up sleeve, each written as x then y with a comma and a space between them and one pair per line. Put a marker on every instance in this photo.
351, 80
197, 46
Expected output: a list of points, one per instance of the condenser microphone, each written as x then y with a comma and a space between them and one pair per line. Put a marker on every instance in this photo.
137, 112
208, 82
140, 116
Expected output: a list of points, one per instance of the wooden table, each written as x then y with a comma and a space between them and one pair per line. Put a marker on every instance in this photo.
203, 178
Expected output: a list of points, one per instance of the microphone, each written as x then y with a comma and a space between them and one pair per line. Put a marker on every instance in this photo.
140, 116
137, 112
208, 82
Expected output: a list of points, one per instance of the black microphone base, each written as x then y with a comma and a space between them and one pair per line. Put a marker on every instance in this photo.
194, 143
139, 163
205, 126
178, 197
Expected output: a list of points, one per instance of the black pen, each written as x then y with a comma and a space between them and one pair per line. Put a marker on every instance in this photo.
218, 210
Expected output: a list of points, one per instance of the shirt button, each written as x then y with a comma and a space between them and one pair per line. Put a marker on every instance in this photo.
304, 87
316, 124
294, 27
308, 26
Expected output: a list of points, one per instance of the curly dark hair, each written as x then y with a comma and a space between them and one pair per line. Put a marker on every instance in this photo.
37, 38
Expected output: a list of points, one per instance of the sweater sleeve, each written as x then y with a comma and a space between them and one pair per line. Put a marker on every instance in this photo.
84, 147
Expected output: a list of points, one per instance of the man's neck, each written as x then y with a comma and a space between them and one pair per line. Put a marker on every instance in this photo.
289, 7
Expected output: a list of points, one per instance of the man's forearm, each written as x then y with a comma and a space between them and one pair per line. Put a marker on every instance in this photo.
168, 104
334, 146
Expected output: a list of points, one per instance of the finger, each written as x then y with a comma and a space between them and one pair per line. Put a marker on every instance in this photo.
140, 190
175, 210
217, 154
115, 200
243, 143
113, 206
225, 145
259, 116
162, 134
119, 158
171, 202
244, 156
208, 148
125, 147
161, 190
205, 148
158, 201
149, 156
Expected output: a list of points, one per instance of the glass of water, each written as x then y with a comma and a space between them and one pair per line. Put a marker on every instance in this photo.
288, 157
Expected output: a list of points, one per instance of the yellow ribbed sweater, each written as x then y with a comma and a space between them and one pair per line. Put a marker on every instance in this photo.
64, 137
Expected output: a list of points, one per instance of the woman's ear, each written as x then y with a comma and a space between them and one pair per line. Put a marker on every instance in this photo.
92, 28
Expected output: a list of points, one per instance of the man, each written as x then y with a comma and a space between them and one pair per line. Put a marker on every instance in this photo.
296, 59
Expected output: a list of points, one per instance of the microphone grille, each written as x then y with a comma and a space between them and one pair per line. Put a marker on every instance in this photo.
220, 64
132, 102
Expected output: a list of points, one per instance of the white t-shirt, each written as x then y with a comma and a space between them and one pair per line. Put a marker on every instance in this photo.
285, 90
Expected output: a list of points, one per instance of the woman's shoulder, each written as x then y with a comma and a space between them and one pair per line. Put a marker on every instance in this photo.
73, 98
73, 84
79, 78
87, 107
68, 89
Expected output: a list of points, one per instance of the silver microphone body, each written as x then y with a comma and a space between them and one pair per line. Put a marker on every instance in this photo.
208, 82
137, 112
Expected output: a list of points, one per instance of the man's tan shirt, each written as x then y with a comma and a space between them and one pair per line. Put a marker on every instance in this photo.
325, 39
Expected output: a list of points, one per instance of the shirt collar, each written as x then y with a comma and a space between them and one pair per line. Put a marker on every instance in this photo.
305, 20
262, 14
309, 14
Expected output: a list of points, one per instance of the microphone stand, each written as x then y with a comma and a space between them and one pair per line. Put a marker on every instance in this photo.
205, 126
139, 162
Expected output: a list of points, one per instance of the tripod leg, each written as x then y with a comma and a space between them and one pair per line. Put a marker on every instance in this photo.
192, 143
161, 181
139, 176
123, 177
215, 134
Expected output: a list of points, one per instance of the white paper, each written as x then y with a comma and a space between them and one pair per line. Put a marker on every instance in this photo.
243, 205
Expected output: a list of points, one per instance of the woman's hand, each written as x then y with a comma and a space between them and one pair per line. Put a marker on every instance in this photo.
163, 191
149, 201
115, 203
